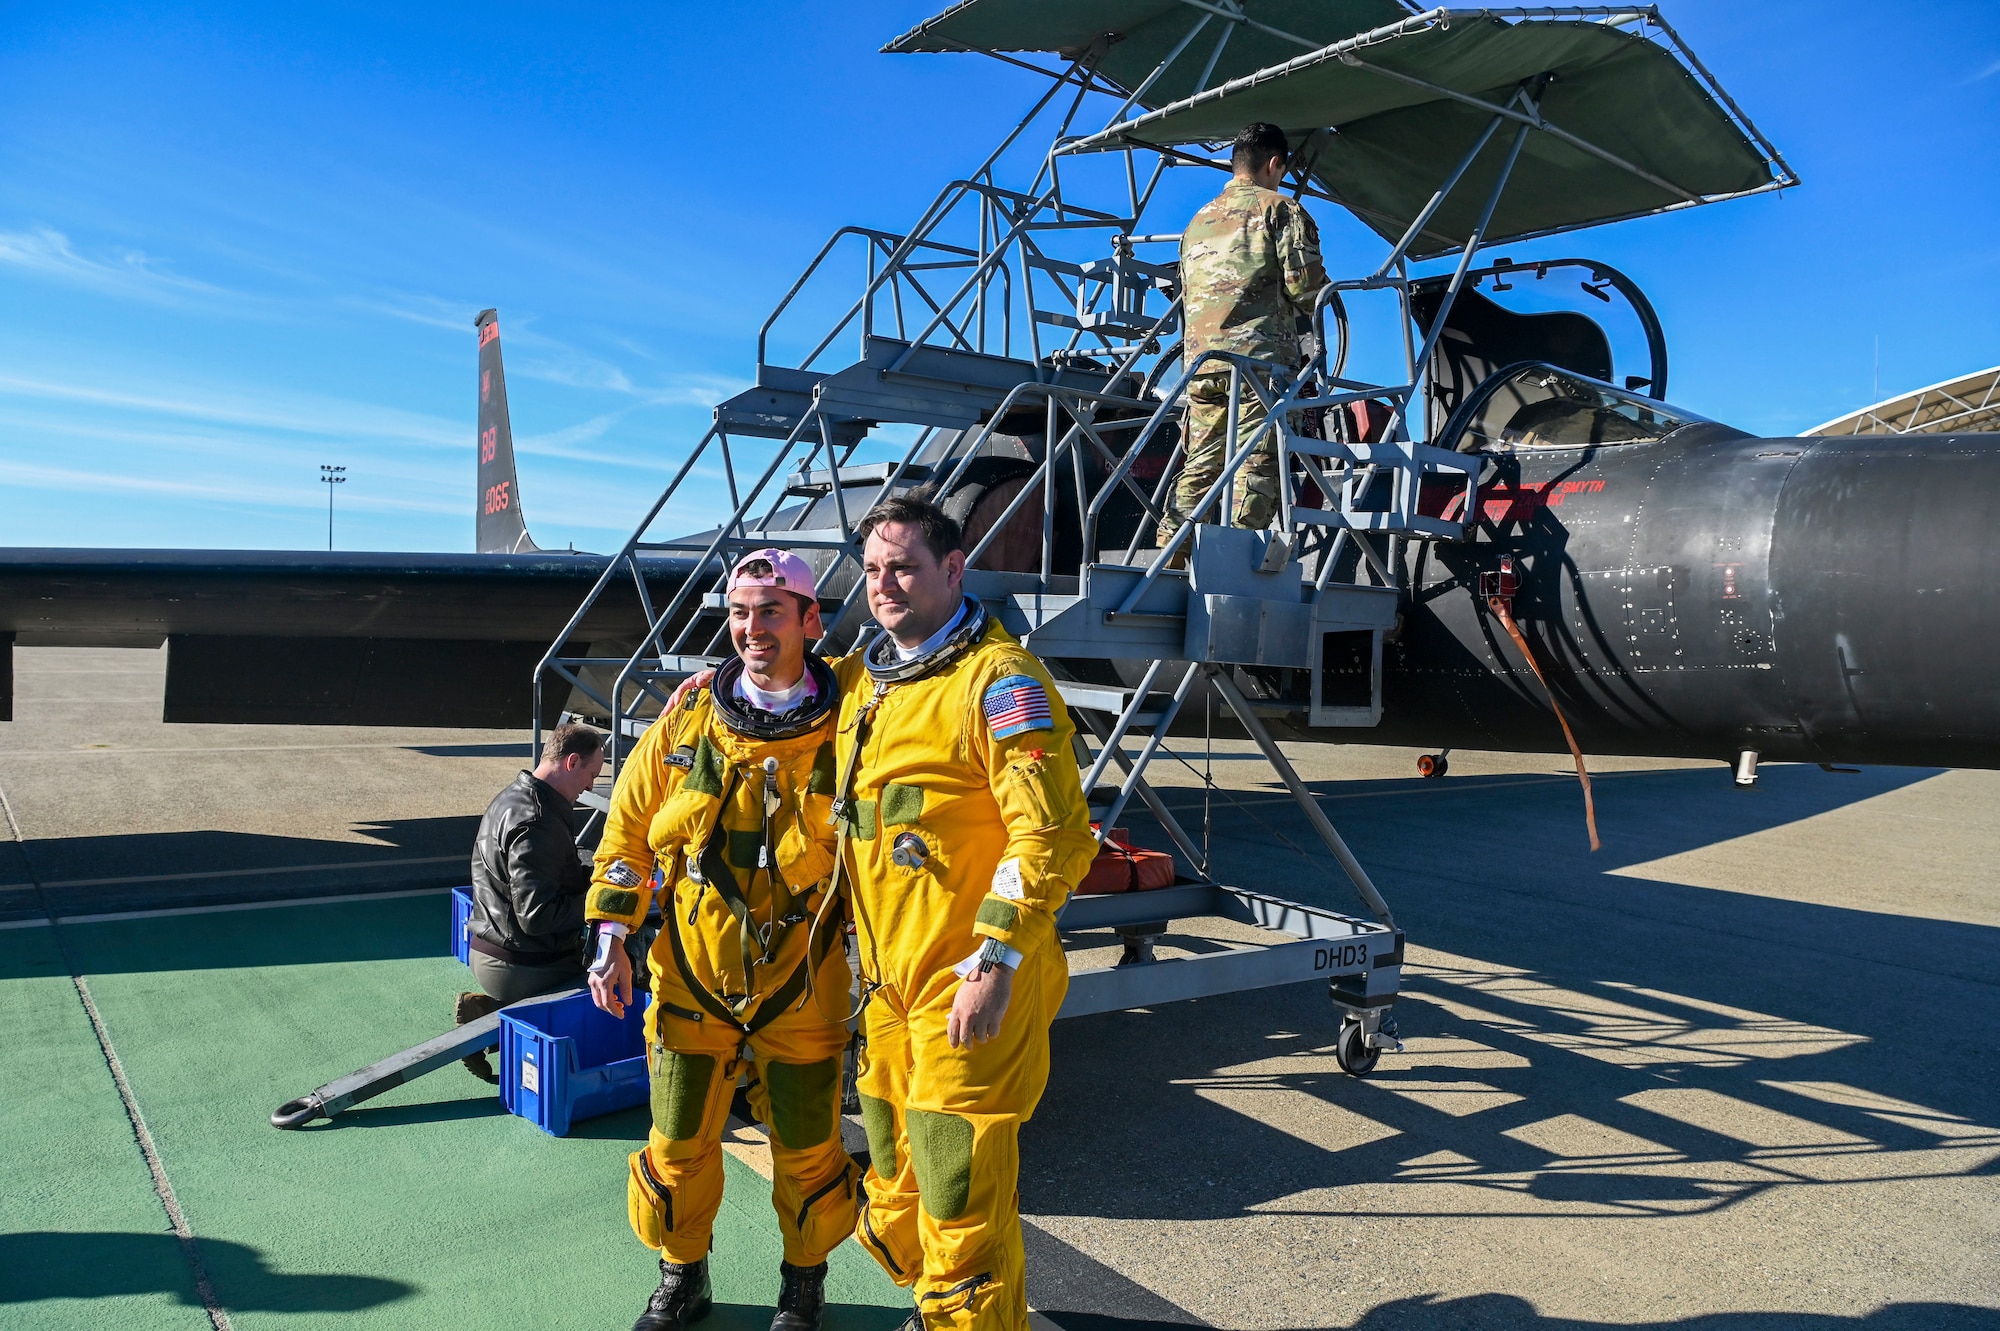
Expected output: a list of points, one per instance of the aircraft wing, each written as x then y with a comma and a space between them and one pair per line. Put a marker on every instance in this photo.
287, 637
347, 638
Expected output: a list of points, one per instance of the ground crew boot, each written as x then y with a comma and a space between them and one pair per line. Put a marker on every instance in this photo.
471, 1007
802, 1297
682, 1299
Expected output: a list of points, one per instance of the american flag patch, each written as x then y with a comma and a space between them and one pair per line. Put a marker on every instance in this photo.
1015, 704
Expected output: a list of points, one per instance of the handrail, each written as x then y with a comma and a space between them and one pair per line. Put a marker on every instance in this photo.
603, 579
1118, 372
1045, 472
918, 235
1167, 404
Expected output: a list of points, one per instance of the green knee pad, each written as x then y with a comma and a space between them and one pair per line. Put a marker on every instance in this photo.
941, 1153
802, 1099
879, 1120
680, 1093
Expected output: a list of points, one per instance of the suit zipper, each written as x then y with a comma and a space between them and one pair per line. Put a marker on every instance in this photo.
868, 1224
807, 1204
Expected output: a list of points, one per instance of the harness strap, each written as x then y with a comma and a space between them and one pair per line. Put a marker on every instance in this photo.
781, 998
716, 870
843, 798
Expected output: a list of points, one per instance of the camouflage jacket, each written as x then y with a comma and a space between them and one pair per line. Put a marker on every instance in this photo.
1250, 268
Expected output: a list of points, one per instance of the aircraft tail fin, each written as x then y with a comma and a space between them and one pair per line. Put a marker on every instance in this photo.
502, 527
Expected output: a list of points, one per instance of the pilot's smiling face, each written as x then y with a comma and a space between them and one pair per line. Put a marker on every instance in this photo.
768, 631
911, 592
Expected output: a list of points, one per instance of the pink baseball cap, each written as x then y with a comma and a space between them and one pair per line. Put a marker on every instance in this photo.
781, 569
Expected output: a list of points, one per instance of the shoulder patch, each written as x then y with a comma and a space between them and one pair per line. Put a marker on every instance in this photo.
1016, 704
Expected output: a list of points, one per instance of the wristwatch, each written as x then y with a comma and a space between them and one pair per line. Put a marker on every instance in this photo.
993, 952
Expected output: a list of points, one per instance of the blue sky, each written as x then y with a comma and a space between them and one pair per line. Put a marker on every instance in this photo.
237, 242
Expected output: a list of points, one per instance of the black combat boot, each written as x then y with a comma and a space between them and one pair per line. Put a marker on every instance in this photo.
471, 1007
682, 1299
802, 1297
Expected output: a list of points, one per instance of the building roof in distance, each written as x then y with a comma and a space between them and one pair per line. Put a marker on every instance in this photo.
1969, 404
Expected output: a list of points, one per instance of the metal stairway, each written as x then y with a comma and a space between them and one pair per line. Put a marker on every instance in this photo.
1288, 622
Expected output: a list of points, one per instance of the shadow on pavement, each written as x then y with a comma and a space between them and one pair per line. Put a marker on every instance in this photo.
1503, 1312
518, 749
397, 1116
391, 929
156, 870
1582, 1044
44, 1264
1627, 1068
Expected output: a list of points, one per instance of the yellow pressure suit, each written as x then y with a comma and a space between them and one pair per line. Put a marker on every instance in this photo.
966, 822
694, 784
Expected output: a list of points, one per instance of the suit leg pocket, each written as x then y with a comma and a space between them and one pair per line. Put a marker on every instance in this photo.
648, 1204
827, 1214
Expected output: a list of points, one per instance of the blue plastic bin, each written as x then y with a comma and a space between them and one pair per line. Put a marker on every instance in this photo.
461, 924
564, 1060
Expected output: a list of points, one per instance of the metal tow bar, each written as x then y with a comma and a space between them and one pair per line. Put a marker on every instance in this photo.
344, 1093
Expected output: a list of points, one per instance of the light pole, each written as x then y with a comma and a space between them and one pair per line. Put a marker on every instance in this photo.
331, 476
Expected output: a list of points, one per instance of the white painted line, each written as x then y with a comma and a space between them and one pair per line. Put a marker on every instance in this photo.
247, 873
87, 750
252, 905
112, 917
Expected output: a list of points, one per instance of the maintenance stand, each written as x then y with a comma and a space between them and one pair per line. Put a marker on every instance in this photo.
1014, 351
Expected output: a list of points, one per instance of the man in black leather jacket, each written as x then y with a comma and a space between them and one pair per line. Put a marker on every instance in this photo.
528, 884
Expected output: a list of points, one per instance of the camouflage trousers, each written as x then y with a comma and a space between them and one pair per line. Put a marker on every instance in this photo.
1207, 427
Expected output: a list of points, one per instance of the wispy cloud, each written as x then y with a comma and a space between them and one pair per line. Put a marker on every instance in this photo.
568, 444
694, 390
34, 476
429, 311
573, 369
319, 417
1986, 73
46, 253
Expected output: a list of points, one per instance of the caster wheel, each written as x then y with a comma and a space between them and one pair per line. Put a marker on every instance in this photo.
1355, 1056
1433, 764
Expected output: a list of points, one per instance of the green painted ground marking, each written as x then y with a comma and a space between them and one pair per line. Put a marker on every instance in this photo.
427, 1207
84, 1242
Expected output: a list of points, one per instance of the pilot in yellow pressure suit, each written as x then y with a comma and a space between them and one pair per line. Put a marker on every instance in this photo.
730, 793
964, 830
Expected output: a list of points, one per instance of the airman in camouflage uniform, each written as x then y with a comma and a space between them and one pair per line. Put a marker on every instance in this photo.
1250, 269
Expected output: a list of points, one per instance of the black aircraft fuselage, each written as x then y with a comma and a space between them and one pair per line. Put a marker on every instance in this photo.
1696, 595
1822, 599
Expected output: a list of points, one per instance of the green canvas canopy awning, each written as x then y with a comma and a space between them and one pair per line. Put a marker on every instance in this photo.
1624, 123
1136, 35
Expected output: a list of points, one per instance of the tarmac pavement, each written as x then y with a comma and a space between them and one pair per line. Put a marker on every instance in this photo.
1736, 1070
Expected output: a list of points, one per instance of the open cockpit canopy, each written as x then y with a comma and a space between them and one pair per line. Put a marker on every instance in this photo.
1622, 121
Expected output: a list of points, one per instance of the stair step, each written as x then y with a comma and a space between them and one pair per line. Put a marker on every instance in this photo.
805, 538
820, 480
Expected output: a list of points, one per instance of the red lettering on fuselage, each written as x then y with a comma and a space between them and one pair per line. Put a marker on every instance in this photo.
497, 500
489, 332
489, 443
485, 384
1510, 502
